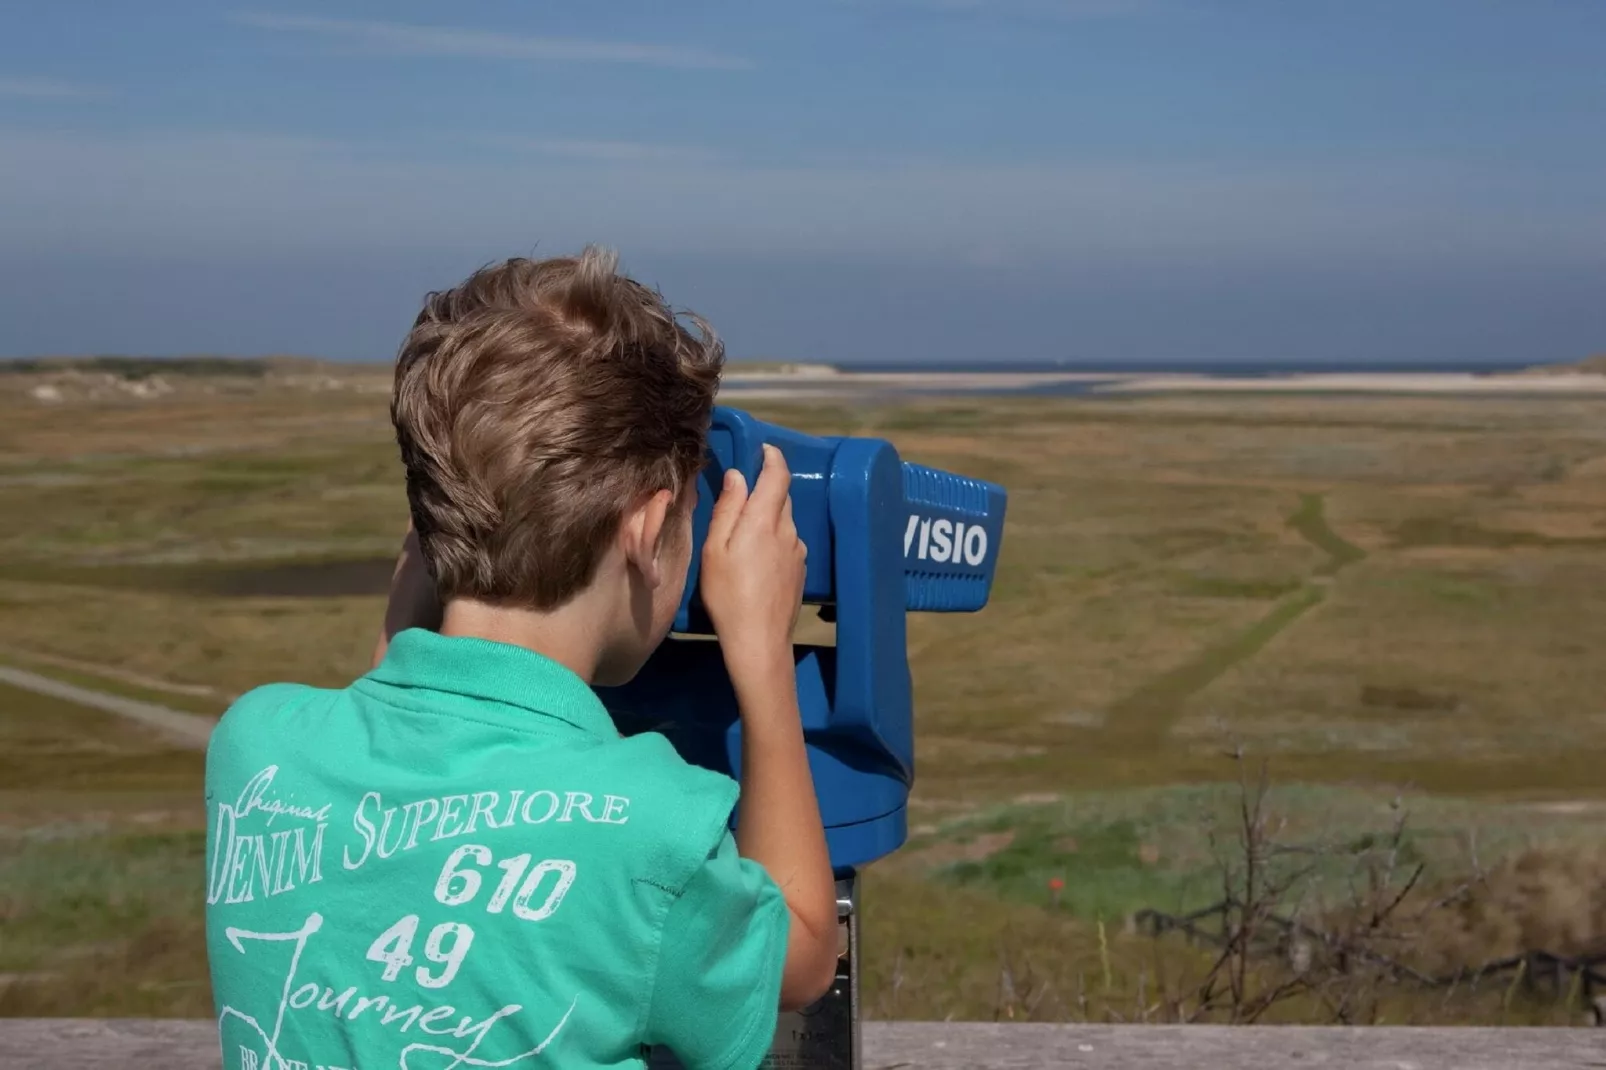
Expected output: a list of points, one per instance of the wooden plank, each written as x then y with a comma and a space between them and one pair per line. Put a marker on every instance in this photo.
92, 1044
950, 1046
100, 1044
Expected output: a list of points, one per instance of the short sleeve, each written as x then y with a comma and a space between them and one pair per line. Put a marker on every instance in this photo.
717, 994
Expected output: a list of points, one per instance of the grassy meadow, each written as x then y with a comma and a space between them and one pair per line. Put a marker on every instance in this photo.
1392, 602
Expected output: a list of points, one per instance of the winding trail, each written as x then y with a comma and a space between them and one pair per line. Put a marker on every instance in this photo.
1146, 715
1310, 520
187, 729
1143, 716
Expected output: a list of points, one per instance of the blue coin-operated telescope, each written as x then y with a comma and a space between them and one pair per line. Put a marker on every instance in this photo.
884, 537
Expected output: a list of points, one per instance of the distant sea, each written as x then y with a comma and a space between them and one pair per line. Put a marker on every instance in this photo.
1110, 372
1246, 369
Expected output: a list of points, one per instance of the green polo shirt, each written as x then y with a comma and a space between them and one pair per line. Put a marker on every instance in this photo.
457, 862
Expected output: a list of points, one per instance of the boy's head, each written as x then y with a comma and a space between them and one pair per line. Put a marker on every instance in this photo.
552, 417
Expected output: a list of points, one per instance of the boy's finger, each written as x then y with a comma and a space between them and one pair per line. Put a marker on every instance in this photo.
771, 492
728, 507
787, 526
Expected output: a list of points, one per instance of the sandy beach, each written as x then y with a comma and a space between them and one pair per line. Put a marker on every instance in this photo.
1368, 383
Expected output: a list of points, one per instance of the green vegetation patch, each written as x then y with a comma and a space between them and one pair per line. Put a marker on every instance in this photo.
1107, 855
1435, 531
104, 926
1206, 586
1310, 520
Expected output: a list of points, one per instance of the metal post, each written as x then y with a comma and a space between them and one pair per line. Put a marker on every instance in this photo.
825, 1036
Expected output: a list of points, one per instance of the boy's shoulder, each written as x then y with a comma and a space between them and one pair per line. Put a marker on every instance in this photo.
275, 696
264, 704
685, 808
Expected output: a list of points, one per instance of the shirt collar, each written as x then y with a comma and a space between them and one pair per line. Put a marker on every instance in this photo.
493, 672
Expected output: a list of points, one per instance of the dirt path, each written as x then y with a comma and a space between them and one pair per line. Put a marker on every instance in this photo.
186, 728
111, 672
1147, 714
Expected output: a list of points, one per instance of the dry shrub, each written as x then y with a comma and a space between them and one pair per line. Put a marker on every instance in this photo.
1545, 899
1283, 946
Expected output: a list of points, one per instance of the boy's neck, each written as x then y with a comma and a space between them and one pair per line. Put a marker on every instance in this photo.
565, 635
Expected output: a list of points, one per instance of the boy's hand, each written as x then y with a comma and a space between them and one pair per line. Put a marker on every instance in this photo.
752, 574
413, 602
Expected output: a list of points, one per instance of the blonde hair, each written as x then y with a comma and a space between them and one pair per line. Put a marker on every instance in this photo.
533, 405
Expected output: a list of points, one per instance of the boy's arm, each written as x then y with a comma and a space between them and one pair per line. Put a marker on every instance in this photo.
413, 603
752, 584
778, 826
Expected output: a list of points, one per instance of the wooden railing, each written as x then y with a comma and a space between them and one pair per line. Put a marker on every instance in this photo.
95, 1044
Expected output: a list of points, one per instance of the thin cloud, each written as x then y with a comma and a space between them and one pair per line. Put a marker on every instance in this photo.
405, 39
200, 191
45, 89
1062, 9
603, 151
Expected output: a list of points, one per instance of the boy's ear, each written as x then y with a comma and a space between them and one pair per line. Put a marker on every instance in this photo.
645, 530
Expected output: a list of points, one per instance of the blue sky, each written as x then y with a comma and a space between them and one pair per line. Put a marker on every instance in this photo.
1091, 180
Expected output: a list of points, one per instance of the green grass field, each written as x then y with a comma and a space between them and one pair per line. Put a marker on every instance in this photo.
1379, 596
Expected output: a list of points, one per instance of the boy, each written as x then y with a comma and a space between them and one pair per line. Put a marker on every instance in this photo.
456, 861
